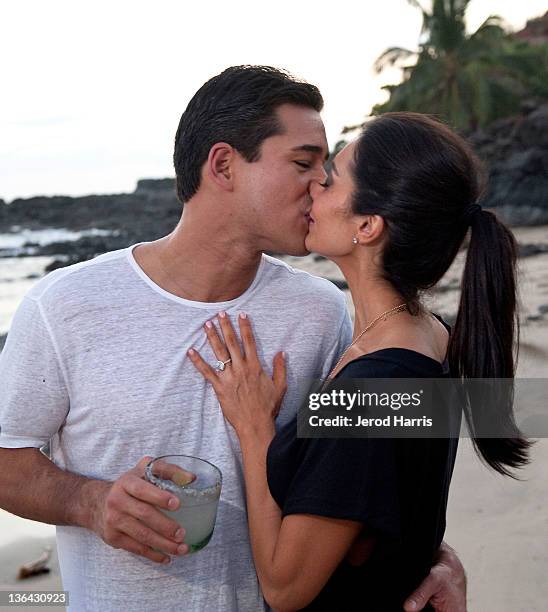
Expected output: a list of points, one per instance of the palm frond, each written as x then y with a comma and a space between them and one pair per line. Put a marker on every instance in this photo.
392, 56
492, 26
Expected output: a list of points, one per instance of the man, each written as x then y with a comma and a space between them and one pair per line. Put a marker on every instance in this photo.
96, 358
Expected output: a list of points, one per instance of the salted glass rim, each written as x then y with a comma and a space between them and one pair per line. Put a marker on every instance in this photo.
148, 470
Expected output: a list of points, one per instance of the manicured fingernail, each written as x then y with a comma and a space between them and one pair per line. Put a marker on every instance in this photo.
283, 354
412, 605
208, 324
166, 561
191, 352
172, 503
243, 315
179, 535
182, 550
222, 314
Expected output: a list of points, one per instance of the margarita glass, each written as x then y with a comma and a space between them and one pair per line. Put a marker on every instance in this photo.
197, 484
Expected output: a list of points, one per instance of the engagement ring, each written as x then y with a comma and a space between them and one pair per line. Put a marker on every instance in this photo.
220, 365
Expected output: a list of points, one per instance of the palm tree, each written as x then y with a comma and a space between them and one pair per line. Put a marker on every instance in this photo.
467, 80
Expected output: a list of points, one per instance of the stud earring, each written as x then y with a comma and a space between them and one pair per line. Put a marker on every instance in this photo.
354, 240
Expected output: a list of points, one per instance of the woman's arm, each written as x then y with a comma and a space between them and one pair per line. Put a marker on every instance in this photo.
294, 557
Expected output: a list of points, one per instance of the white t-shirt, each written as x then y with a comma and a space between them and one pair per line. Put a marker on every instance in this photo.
96, 361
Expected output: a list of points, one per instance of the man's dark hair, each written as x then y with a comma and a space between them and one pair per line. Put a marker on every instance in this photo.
238, 107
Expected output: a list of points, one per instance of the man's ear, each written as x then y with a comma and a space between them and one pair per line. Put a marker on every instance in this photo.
220, 165
370, 230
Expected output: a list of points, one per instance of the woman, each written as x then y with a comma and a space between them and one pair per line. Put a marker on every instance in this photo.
343, 524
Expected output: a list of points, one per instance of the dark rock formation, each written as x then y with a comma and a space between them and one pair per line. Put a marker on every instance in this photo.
150, 212
528, 250
156, 188
340, 283
143, 214
515, 152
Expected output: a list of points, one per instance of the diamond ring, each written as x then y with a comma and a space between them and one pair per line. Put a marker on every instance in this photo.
220, 365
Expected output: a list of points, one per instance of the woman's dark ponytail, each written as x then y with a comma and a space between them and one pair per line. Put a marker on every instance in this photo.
424, 181
485, 339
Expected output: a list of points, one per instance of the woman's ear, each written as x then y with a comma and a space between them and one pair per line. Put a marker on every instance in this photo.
220, 165
370, 230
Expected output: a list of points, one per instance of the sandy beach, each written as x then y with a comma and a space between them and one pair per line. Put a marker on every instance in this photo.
498, 526
21, 542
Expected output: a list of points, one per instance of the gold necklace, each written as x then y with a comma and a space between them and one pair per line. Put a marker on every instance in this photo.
384, 315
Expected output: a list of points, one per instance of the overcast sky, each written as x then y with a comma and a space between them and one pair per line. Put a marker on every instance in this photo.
92, 92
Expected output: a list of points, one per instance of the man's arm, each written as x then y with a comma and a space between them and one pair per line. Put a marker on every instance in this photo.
444, 587
34, 404
123, 513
